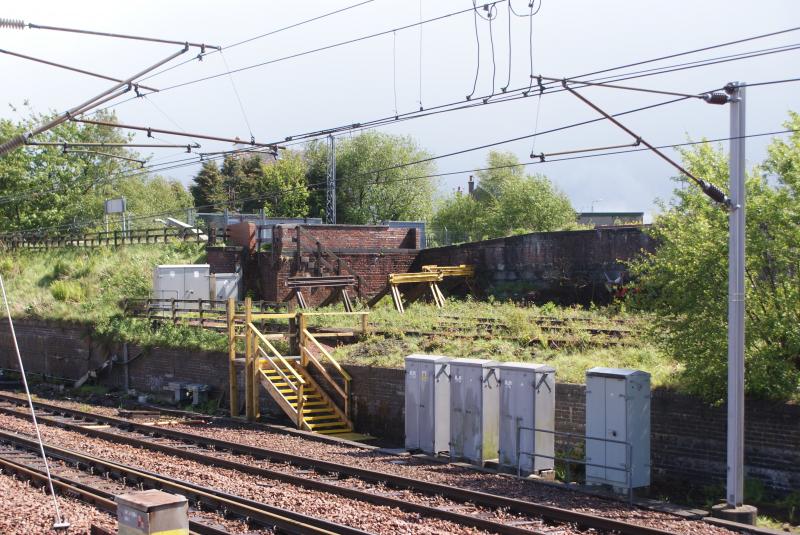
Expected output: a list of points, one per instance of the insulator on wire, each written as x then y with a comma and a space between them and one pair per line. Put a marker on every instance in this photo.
16, 24
716, 98
714, 192
12, 144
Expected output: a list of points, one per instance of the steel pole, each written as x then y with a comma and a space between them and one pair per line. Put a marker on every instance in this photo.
330, 201
736, 299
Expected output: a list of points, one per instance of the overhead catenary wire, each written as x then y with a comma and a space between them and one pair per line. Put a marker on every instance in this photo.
106, 154
260, 36
708, 188
18, 24
73, 69
476, 13
150, 130
236, 93
431, 175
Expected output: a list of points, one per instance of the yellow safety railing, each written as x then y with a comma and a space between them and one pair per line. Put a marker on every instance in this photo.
307, 338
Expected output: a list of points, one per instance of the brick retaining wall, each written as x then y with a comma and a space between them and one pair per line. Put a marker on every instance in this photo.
688, 435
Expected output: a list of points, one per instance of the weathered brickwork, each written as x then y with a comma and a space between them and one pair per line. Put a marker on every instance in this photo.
224, 259
567, 267
688, 435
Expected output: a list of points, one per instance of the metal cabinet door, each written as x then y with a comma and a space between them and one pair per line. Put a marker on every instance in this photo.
457, 413
412, 405
516, 399
473, 413
544, 418
427, 413
616, 429
595, 427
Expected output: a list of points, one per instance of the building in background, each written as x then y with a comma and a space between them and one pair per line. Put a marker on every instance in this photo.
609, 219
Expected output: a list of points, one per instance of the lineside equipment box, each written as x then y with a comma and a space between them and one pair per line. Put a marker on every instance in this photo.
618, 410
152, 512
527, 402
427, 403
474, 406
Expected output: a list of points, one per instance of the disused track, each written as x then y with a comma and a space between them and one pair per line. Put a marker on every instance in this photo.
210, 451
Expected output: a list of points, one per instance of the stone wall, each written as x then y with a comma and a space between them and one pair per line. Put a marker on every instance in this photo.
566, 267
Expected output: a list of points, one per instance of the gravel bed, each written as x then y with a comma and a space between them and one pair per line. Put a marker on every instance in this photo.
27, 510
371, 518
442, 473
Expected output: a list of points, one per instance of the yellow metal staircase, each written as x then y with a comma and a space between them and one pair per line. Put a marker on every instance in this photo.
318, 412
288, 379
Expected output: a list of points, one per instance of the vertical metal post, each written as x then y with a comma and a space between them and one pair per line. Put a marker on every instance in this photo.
233, 380
736, 299
248, 360
330, 202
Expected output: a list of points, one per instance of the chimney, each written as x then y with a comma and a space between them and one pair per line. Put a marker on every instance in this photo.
471, 186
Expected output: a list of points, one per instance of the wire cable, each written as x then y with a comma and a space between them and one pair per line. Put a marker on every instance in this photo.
394, 70
478, 41
491, 41
426, 176
238, 98
508, 81
420, 56
272, 32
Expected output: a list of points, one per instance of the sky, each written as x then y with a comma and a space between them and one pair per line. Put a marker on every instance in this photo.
394, 73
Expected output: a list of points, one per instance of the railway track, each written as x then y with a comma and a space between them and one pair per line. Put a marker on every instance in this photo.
316, 474
97, 481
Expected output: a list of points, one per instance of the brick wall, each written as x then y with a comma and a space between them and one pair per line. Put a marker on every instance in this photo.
566, 267
688, 435
224, 259
341, 237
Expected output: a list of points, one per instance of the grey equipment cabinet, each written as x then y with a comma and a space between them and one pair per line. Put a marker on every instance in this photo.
618, 409
474, 410
427, 403
527, 402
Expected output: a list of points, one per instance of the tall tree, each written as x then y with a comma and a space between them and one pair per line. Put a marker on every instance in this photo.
208, 189
42, 187
280, 187
506, 202
376, 178
685, 280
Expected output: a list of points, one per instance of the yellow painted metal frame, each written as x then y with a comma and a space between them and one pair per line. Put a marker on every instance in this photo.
431, 274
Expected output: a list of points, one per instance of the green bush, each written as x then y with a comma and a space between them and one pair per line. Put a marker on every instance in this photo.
66, 290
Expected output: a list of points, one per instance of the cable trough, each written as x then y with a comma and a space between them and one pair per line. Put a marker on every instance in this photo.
315, 474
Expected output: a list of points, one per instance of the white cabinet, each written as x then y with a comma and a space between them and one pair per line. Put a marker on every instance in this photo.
474, 406
427, 403
527, 402
188, 281
618, 409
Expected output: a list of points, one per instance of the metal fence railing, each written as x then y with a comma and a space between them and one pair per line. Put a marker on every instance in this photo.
627, 468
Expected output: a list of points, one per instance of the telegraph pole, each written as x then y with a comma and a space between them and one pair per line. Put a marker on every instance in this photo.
330, 204
734, 508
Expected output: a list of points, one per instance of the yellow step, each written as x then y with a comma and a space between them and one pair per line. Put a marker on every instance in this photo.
307, 397
321, 417
341, 430
337, 423
318, 410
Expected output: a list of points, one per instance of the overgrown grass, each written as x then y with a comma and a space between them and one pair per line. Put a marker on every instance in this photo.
85, 285
525, 337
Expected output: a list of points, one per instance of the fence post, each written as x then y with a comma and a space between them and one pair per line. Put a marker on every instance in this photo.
200, 308
301, 338
364, 323
174, 312
248, 359
233, 380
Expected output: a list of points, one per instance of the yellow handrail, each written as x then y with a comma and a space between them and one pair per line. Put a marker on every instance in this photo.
327, 355
280, 372
324, 372
283, 361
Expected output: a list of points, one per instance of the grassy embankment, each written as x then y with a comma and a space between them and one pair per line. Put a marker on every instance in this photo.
86, 286
570, 339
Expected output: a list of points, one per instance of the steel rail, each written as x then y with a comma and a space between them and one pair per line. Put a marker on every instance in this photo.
264, 514
454, 493
101, 499
300, 481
